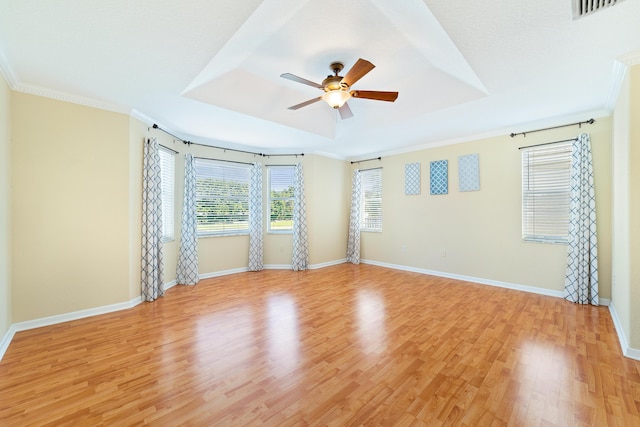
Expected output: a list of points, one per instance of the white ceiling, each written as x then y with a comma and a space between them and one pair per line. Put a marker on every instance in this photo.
209, 71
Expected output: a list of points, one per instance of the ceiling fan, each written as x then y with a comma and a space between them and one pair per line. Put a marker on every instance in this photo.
337, 88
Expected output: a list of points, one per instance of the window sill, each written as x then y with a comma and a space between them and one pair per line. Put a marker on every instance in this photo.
206, 236
553, 242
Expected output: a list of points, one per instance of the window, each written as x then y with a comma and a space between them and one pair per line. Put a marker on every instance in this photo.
545, 192
371, 202
167, 176
222, 197
281, 198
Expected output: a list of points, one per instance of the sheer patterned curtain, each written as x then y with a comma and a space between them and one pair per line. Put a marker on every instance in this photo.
187, 271
300, 243
353, 244
256, 258
152, 259
581, 281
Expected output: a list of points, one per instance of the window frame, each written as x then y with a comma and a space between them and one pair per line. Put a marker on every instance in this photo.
168, 188
230, 168
270, 198
546, 187
371, 181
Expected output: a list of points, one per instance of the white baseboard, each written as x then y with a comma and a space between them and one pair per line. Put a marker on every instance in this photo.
277, 266
517, 287
327, 264
311, 266
6, 340
514, 286
627, 351
223, 273
61, 318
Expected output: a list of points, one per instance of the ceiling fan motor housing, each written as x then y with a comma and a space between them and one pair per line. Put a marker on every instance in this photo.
333, 83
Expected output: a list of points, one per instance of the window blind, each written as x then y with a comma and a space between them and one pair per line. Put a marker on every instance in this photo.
371, 202
546, 173
222, 197
167, 177
281, 198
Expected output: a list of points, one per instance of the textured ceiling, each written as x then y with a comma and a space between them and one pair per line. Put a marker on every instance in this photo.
209, 71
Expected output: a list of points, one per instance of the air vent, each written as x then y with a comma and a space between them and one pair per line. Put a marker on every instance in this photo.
587, 7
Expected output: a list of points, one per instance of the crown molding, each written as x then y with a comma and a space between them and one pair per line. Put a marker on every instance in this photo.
544, 123
620, 67
630, 59
617, 78
67, 97
7, 70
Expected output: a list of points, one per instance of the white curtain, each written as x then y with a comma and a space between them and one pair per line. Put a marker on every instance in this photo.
152, 259
300, 243
581, 281
353, 244
256, 257
187, 271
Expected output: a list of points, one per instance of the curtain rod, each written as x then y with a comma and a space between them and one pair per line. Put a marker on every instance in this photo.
579, 124
155, 126
366, 160
220, 160
548, 143
283, 155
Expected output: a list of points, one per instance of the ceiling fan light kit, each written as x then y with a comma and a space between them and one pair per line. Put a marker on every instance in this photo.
336, 98
336, 88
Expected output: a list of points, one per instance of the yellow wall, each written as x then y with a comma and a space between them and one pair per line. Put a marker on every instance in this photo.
70, 207
621, 264
327, 189
478, 234
137, 133
634, 207
326, 182
5, 208
626, 209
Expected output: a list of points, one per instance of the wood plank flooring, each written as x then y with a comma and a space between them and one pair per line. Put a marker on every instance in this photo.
341, 346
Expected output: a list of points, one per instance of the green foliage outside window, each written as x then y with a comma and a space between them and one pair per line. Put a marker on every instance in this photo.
281, 209
222, 205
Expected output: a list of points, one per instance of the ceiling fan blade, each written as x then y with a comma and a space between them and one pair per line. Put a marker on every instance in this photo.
295, 78
345, 111
359, 69
374, 94
305, 103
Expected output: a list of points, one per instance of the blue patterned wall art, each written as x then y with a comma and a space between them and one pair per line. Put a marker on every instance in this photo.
412, 178
439, 177
469, 172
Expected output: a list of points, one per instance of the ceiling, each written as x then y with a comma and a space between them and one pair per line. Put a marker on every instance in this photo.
209, 71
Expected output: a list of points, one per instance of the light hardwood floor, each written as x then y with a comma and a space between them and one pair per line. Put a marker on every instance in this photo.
343, 345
